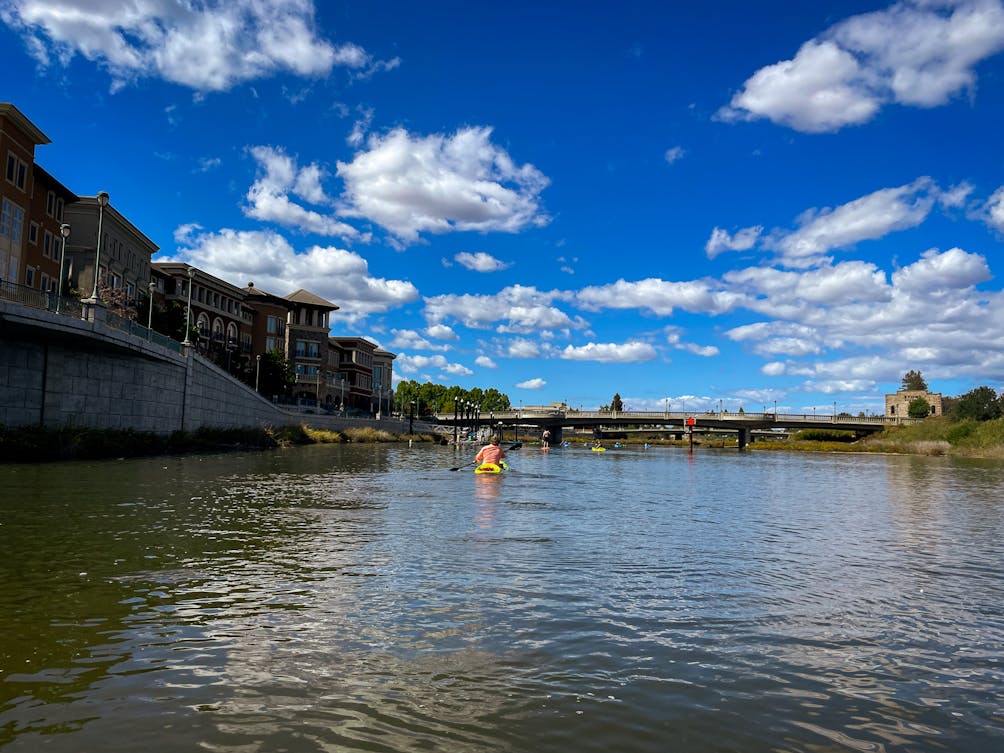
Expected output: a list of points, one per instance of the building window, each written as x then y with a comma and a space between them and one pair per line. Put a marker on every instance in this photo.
47, 283
47, 244
33, 233
29, 277
50, 204
59, 209
17, 171
307, 349
276, 326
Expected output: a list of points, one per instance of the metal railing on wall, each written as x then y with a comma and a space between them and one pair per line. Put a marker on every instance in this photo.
72, 307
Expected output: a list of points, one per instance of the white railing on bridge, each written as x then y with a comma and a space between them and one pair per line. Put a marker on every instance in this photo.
674, 417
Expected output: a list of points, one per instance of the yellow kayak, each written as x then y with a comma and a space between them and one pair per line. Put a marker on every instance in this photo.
599, 449
491, 468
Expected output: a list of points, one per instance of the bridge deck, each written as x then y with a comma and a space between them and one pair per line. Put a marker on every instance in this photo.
678, 420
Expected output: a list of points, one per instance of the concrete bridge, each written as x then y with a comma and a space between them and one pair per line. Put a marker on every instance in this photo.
679, 423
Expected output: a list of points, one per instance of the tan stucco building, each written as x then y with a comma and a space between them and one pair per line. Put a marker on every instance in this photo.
898, 404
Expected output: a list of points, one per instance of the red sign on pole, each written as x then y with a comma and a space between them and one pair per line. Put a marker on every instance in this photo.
691, 421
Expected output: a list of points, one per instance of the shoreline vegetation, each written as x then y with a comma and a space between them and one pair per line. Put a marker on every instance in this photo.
935, 436
38, 445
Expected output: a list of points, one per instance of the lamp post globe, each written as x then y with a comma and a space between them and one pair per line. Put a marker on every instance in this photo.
102, 199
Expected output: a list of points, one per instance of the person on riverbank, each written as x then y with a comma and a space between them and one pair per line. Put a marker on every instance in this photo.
545, 439
490, 453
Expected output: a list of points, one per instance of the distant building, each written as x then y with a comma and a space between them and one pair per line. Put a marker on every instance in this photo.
308, 327
383, 380
218, 311
898, 404
42, 252
355, 372
18, 139
125, 251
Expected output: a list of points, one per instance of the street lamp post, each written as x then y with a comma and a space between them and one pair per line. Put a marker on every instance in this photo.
188, 308
64, 230
411, 418
149, 314
257, 371
102, 203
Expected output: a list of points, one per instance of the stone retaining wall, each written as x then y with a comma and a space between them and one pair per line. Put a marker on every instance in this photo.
62, 371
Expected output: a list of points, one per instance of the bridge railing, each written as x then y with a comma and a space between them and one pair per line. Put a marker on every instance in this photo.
679, 418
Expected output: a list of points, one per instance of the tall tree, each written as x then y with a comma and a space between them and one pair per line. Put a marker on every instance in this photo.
914, 380
617, 404
275, 374
980, 404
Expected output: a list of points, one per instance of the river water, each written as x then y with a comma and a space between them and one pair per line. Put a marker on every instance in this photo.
366, 598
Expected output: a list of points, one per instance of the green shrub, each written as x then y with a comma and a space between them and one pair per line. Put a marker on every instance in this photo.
825, 435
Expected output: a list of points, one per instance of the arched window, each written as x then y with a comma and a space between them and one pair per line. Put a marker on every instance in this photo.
231, 334
218, 330
203, 324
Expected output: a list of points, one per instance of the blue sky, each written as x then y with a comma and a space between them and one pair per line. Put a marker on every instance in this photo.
682, 202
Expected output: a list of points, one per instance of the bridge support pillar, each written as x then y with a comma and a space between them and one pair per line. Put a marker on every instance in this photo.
745, 437
555, 438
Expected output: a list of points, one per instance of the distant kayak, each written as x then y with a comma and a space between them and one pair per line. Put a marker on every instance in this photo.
599, 449
491, 467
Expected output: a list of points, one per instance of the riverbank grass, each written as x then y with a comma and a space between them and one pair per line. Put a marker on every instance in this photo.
32, 444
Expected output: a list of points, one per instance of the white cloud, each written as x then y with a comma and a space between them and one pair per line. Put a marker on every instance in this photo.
207, 46
823, 88
706, 351
410, 364
268, 260
673, 338
485, 362
268, 197
458, 370
779, 338
207, 164
532, 384
629, 352
995, 210
866, 218
522, 309
938, 274
441, 332
916, 52
438, 184
659, 296
521, 348
409, 339
743, 240
480, 262
675, 153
